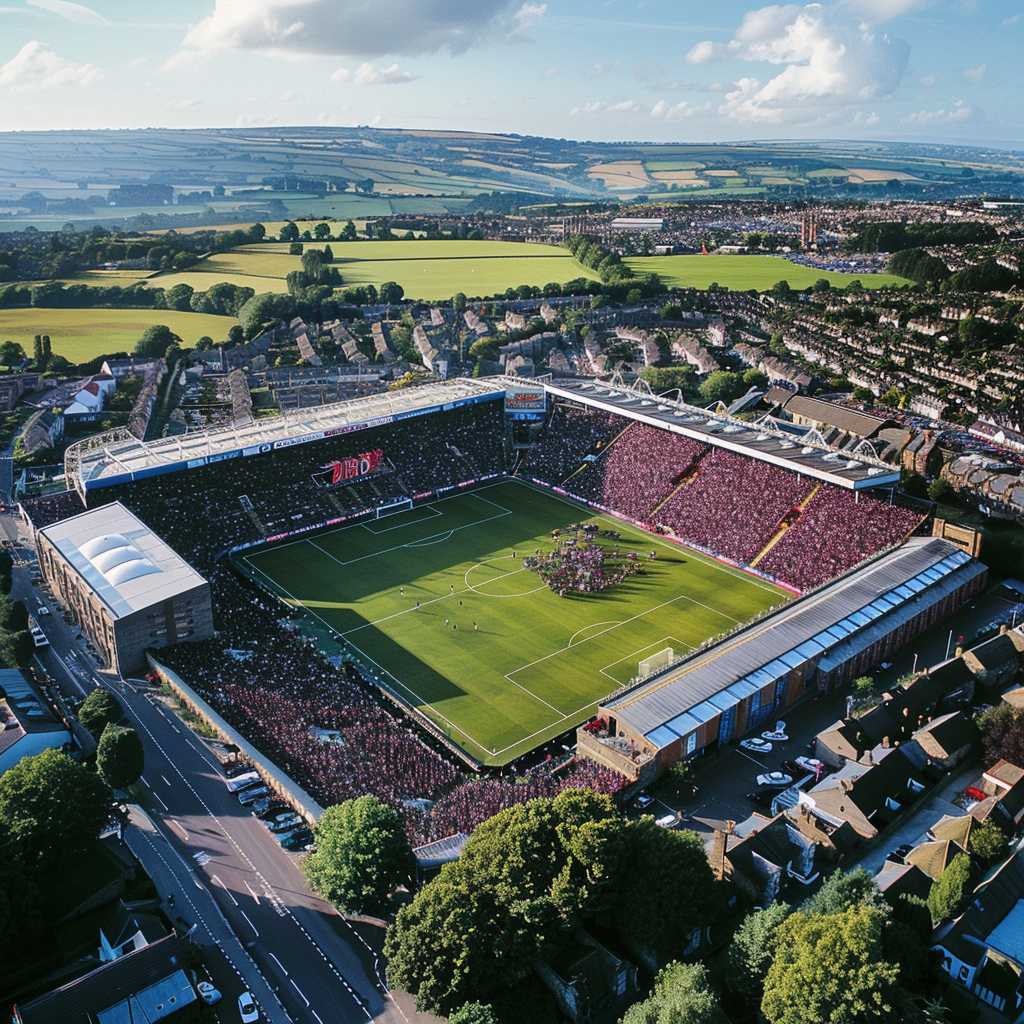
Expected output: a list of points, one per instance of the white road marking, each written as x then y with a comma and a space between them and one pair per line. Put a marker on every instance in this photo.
299, 990
278, 962
178, 825
252, 892
226, 889
249, 923
164, 777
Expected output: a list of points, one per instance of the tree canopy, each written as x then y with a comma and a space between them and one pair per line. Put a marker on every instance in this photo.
830, 968
681, 995
950, 890
752, 950
99, 709
52, 809
362, 855
119, 756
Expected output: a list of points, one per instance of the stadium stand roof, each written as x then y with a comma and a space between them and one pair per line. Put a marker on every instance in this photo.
675, 702
124, 563
103, 462
756, 440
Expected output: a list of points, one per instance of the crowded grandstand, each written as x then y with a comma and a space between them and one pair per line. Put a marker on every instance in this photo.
795, 517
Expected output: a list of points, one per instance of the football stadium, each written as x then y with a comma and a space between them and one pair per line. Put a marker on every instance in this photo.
574, 579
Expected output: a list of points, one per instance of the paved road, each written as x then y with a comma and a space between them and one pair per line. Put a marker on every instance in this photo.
302, 960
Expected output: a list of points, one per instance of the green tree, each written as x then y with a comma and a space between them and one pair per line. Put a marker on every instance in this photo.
950, 891
830, 967
1002, 734
721, 386
179, 297
682, 994
390, 292
155, 341
119, 756
100, 709
987, 842
349, 233
459, 301
845, 889
362, 855
939, 489
52, 809
235, 334
752, 950
474, 1013
322, 231
11, 354
671, 311
289, 232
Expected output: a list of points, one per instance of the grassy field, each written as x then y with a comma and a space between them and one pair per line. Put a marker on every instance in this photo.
744, 272
425, 269
523, 665
82, 334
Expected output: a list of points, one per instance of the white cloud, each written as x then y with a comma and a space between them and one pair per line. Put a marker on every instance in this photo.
867, 118
35, 67
528, 15
975, 74
601, 107
702, 52
366, 28
956, 114
830, 59
681, 111
367, 74
77, 13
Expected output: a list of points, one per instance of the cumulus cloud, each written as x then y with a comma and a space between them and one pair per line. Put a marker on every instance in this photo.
601, 107
365, 28
367, 74
681, 111
975, 74
829, 59
77, 13
958, 113
528, 15
35, 67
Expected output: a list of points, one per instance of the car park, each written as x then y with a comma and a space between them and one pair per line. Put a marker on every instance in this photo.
756, 744
774, 780
247, 1008
208, 992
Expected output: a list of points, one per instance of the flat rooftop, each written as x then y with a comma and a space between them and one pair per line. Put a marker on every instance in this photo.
121, 559
757, 441
120, 459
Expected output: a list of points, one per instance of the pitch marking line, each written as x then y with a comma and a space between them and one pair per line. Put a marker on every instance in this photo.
434, 514
607, 622
618, 682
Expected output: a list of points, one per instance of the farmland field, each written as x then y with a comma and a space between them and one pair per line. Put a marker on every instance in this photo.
433, 600
744, 272
425, 269
82, 334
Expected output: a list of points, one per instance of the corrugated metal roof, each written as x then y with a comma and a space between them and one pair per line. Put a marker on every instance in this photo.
757, 653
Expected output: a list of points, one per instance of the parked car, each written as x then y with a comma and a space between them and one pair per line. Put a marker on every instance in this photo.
235, 768
643, 800
812, 764
297, 840
668, 820
247, 1008
762, 796
43, 610
900, 853
776, 735
241, 781
775, 780
208, 992
250, 796
285, 823
267, 808
757, 744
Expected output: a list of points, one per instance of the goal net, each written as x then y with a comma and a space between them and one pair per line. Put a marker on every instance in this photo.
655, 662
394, 506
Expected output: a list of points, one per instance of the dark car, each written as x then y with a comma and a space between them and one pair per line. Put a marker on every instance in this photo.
762, 796
236, 768
266, 808
296, 840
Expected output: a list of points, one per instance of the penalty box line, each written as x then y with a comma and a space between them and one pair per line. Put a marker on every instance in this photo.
665, 639
434, 514
408, 689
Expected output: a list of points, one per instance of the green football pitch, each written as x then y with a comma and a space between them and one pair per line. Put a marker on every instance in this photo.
436, 600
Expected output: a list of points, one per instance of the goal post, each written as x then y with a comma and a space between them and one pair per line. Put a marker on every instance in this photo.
401, 505
655, 662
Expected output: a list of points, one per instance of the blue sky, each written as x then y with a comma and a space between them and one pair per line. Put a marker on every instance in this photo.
947, 70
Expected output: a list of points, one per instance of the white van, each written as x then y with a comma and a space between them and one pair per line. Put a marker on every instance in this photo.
241, 781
